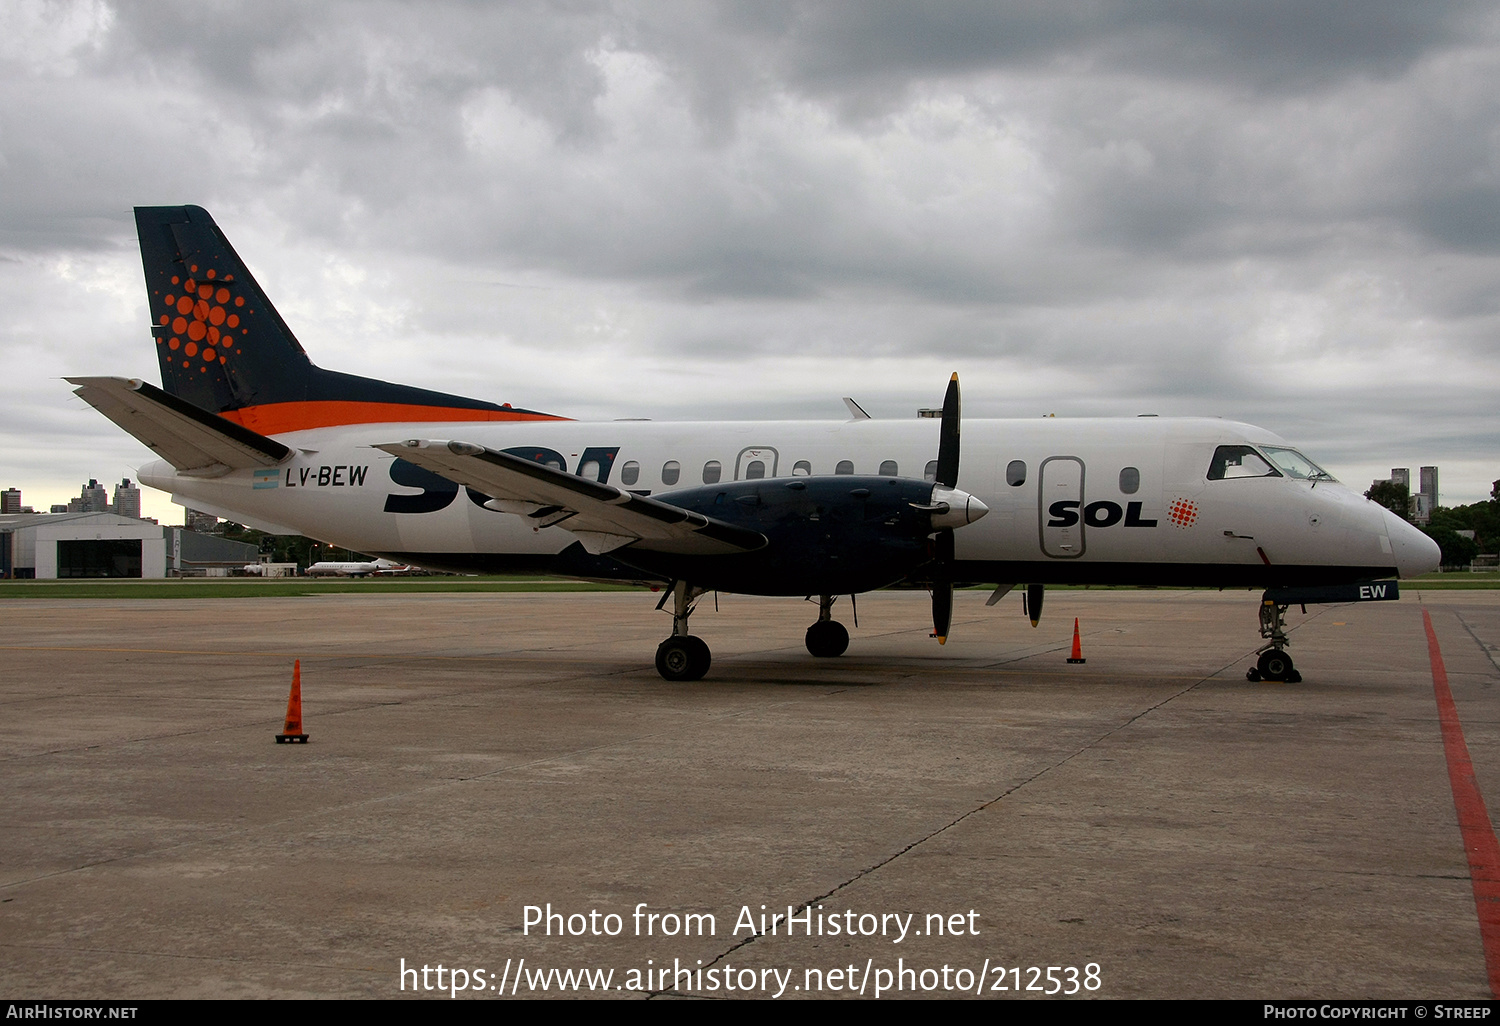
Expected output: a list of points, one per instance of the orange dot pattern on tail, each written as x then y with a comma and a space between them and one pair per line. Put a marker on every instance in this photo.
1182, 513
201, 311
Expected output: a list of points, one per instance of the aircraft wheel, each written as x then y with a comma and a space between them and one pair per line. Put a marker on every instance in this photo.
1276, 665
827, 638
683, 657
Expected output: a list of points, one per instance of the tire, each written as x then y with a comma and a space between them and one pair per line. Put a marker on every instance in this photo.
827, 638
682, 658
1275, 665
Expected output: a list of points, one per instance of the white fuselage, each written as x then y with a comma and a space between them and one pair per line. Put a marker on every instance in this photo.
1142, 505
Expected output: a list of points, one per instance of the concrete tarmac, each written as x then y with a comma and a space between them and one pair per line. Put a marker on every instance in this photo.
1150, 823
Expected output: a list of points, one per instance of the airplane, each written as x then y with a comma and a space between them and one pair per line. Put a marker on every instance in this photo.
248, 428
357, 568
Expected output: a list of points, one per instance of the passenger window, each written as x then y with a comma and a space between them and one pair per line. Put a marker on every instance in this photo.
844, 467
712, 470
670, 471
589, 470
930, 474
1130, 480
755, 470
888, 469
1232, 461
630, 473
802, 468
1015, 473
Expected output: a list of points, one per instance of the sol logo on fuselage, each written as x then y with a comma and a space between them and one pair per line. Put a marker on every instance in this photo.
1102, 513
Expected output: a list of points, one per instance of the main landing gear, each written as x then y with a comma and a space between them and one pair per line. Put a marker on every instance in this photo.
1274, 663
682, 656
827, 637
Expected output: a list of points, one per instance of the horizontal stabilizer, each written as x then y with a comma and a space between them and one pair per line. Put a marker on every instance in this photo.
196, 442
603, 517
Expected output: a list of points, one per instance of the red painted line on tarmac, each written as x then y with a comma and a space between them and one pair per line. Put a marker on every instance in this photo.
1474, 824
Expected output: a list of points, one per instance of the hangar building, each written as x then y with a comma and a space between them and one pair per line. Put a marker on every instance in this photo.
69, 545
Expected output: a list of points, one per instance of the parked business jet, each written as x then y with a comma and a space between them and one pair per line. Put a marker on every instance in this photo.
355, 568
248, 428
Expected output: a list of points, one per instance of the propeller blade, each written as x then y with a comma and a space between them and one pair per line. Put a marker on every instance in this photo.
947, 478
947, 468
1034, 603
942, 609
942, 585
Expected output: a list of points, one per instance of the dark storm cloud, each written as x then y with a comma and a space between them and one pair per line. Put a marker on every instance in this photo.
867, 50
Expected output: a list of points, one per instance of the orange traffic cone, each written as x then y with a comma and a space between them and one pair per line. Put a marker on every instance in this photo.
292, 732
1077, 656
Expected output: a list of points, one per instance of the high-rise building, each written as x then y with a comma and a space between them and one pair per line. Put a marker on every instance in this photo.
93, 499
127, 500
1401, 476
1429, 487
10, 500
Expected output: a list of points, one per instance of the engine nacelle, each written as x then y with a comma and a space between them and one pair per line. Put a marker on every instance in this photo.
826, 535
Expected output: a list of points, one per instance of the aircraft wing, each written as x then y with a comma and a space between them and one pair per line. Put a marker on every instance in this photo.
603, 517
193, 440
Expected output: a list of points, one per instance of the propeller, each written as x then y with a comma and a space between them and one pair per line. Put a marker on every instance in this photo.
945, 481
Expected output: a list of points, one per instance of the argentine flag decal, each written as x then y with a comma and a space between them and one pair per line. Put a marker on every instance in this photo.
266, 479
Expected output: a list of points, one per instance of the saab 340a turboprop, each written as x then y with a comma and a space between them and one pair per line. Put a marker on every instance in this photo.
249, 429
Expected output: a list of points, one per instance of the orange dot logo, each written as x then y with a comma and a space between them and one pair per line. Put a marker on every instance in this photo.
199, 320
1183, 513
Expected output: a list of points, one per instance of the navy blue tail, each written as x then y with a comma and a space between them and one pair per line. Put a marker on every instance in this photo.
223, 347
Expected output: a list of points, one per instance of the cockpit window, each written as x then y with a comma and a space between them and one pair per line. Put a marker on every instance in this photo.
1231, 461
1293, 464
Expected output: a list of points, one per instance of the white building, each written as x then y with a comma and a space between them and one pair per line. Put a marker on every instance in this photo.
64, 545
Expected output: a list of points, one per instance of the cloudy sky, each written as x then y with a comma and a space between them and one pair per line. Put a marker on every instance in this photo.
1279, 211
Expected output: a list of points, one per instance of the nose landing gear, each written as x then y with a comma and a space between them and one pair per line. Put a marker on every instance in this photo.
1274, 663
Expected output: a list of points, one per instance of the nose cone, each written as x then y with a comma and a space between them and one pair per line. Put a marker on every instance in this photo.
1414, 552
963, 508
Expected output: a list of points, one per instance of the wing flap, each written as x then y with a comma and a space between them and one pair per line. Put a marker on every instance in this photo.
604, 517
193, 440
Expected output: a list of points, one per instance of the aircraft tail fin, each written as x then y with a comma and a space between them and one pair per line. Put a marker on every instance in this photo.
223, 347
